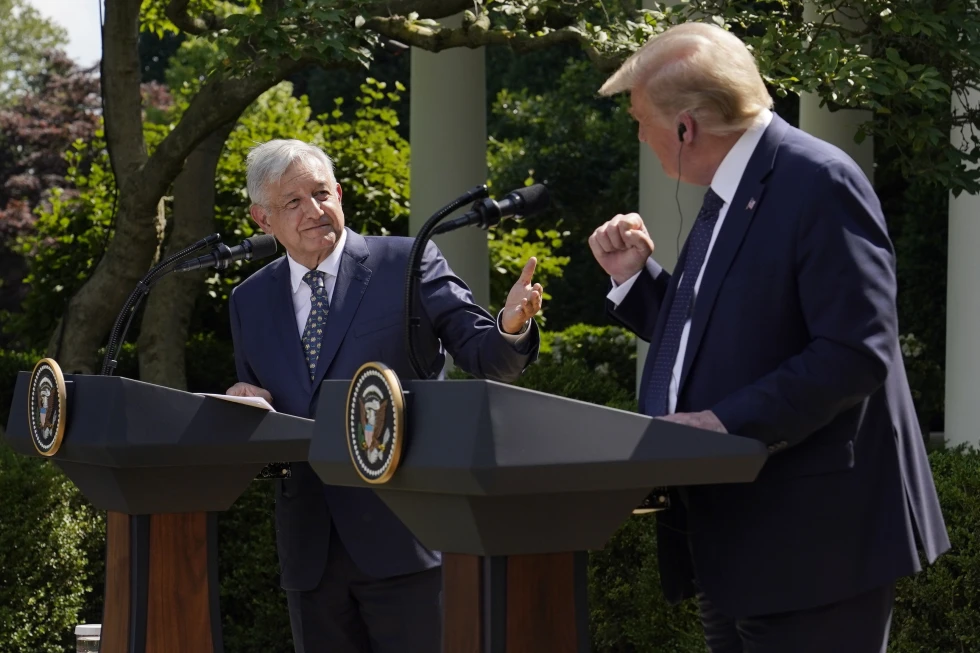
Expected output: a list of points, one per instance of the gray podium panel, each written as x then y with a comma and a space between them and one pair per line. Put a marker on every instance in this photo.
138, 448
493, 469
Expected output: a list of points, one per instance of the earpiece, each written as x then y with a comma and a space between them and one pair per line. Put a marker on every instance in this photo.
681, 130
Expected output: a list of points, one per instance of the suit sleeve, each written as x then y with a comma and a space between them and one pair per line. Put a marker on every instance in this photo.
467, 331
244, 372
847, 286
640, 309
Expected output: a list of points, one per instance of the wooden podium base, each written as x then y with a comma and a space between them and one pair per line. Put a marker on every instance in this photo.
162, 593
161, 584
515, 604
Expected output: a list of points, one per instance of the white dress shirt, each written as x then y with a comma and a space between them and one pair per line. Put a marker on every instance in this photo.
302, 293
724, 183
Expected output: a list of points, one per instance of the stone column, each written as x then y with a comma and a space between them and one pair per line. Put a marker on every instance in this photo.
963, 309
448, 135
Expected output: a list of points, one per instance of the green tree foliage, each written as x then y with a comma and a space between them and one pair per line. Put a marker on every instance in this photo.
585, 149
902, 59
26, 37
70, 236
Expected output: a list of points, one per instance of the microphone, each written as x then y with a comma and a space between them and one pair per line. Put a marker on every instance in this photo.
222, 256
487, 213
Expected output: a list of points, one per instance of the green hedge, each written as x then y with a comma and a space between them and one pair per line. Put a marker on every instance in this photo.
54, 583
50, 554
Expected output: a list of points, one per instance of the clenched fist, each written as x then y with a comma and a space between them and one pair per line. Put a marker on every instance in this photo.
622, 246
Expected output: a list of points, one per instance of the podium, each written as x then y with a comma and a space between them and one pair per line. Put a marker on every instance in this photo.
163, 463
513, 485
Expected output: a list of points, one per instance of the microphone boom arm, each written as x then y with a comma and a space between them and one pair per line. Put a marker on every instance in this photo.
414, 276
118, 334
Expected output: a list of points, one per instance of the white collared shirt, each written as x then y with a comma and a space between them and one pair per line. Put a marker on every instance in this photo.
725, 182
302, 293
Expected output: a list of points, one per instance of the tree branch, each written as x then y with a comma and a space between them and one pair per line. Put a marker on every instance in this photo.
220, 101
121, 89
425, 8
477, 34
198, 26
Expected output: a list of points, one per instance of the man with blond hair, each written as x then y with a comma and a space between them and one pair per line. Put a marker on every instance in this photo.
356, 579
778, 323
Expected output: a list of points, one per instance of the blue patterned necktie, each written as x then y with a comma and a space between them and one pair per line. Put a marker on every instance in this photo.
316, 323
682, 305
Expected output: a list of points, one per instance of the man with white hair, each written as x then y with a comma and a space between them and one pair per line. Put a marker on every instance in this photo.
356, 579
778, 323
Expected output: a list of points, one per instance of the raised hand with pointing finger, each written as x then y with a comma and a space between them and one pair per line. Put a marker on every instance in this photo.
523, 300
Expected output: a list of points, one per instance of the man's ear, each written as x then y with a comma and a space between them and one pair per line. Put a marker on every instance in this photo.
340, 193
261, 218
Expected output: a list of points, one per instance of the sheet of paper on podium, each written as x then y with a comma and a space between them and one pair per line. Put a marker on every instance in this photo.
257, 402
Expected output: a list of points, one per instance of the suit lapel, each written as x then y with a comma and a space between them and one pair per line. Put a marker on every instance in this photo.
747, 199
283, 318
352, 281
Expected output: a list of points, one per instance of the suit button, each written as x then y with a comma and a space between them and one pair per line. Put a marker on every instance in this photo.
367, 517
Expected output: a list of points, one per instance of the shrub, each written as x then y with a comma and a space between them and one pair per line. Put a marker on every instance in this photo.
254, 617
46, 528
939, 609
628, 613
607, 351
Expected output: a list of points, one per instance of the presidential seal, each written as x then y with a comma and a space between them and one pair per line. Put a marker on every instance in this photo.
375, 422
46, 407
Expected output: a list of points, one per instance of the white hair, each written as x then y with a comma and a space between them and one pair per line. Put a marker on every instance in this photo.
700, 69
266, 164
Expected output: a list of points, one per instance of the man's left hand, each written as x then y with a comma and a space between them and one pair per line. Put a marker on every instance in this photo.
703, 420
523, 301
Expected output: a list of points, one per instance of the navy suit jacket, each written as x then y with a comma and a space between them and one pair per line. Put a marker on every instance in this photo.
365, 323
794, 342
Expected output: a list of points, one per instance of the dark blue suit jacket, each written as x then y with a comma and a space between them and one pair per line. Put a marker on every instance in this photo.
794, 341
365, 323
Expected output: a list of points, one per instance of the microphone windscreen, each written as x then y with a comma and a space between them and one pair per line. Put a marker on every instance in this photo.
535, 198
262, 246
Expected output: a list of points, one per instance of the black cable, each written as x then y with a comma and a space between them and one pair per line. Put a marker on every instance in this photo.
677, 199
119, 329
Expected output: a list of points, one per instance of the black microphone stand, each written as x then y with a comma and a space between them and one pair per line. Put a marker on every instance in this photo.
412, 322
157, 272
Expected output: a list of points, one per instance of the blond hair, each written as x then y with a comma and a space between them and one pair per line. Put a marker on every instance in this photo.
697, 68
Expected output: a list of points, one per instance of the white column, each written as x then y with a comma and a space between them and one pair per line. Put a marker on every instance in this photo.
448, 135
963, 309
838, 128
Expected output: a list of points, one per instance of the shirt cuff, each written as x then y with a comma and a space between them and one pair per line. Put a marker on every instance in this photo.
618, 293
513, 338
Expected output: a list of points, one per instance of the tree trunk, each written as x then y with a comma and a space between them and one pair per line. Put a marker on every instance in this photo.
141, 181
163, 334
92, 310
